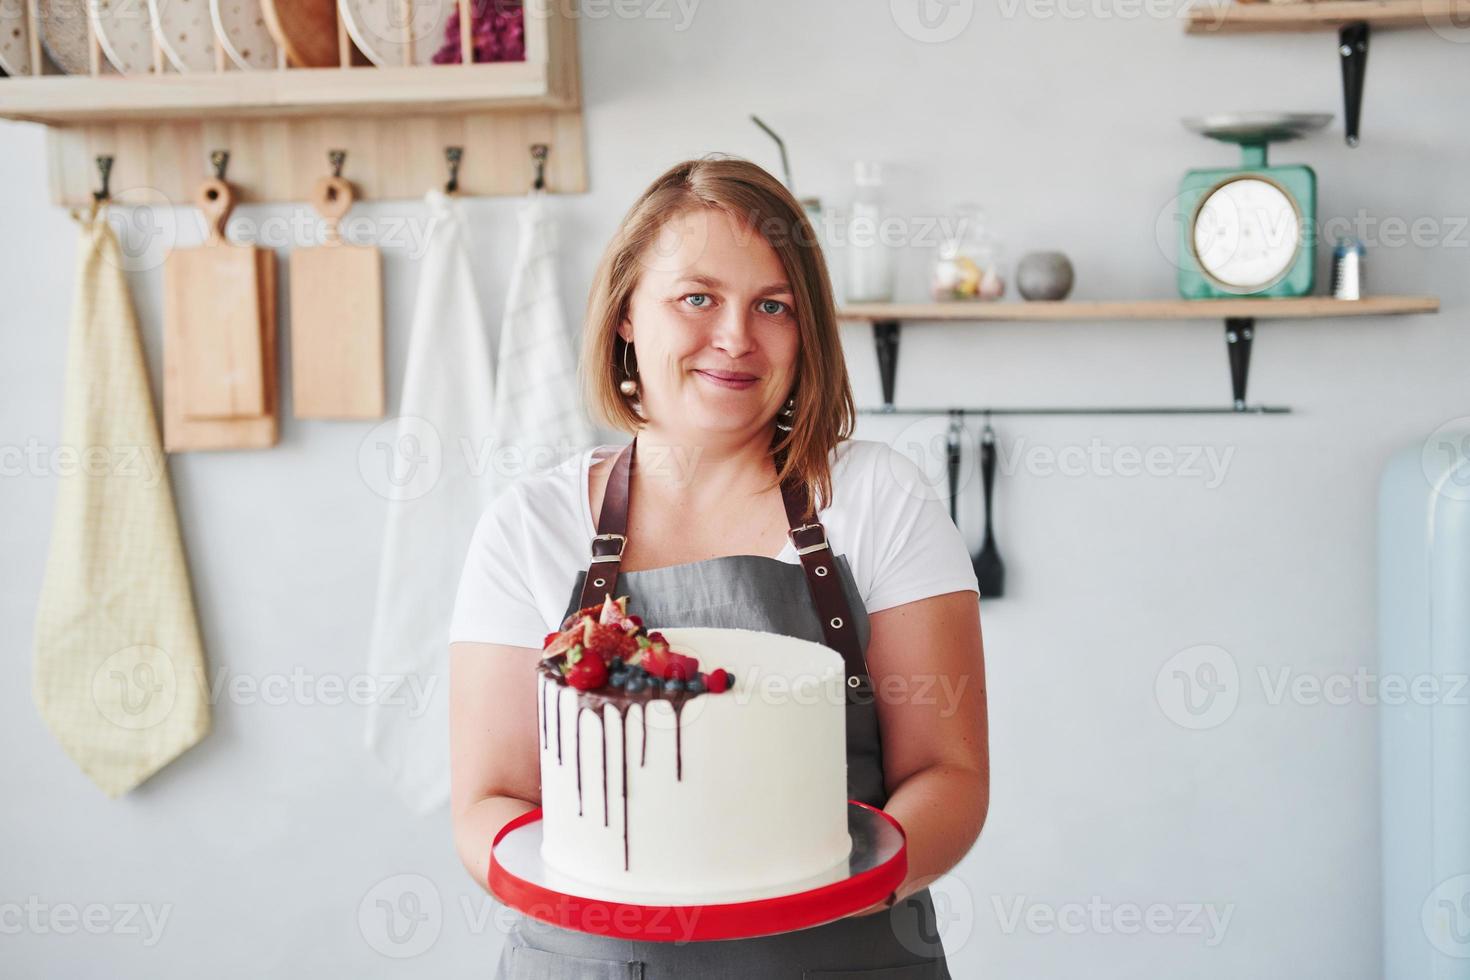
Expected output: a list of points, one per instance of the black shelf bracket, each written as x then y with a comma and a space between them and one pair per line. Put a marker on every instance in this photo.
1239, 332
1352, 50
885, 339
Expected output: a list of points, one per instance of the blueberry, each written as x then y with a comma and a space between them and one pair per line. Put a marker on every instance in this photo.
654, 682
673, 684
634, 683
618, 678
729, 678
616, 665
695, 686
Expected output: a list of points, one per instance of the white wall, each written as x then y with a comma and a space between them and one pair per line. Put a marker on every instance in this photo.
265, 842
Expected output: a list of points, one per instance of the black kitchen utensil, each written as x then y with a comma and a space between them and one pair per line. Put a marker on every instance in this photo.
952, 443
990, 571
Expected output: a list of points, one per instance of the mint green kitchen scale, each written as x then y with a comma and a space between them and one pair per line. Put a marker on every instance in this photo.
1249, 230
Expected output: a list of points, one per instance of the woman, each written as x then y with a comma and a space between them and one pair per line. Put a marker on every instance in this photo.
712, 338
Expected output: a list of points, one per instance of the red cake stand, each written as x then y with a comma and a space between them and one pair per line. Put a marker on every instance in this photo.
520, 879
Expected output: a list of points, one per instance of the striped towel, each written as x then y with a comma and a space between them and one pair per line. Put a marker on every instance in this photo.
538, 408
119, 666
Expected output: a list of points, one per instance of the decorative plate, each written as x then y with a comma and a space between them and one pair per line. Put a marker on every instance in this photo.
125, 32
378, 29
185, 33
239, 28
15, 43
64, 34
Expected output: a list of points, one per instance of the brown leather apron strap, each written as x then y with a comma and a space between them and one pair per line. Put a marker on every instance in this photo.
809, 537
612, 533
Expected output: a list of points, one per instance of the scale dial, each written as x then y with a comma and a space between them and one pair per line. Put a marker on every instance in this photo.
1246, 233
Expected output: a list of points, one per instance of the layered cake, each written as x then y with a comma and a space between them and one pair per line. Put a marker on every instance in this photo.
690, 765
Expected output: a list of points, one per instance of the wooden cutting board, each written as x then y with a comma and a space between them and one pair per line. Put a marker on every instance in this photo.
336, 319
219, 346
305, 29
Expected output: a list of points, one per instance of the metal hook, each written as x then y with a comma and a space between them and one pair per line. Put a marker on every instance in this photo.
453, 154
539, 152
104, 170
336, 158
219, 159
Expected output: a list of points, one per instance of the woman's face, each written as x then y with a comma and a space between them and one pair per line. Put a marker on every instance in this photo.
713, 328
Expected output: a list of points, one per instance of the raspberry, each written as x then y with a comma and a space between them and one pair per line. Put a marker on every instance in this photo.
717, 681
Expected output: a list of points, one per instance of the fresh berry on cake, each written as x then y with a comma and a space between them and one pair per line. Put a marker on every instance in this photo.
604, 646
703, 799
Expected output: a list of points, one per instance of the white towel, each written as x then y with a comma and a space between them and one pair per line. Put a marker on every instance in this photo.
538, 408
440, 484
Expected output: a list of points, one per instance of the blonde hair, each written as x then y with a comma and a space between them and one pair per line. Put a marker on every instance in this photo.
824, 411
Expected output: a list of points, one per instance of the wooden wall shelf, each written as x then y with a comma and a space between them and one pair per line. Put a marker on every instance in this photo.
60, 100
1299, 308
394, 122
1353, 20
1240, 316
1261, 18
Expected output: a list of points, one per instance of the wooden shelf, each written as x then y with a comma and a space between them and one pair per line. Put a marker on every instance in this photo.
1262, 17
394, 123
60, 100
1239, 316
1303, 308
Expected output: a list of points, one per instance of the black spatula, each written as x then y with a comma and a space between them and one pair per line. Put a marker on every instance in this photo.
990, 571
952, 443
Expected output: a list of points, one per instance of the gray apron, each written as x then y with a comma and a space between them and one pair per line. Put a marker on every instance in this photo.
758, 593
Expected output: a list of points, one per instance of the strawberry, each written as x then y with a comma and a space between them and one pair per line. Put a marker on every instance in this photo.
549, 637
683, 667
657, 660
586, 672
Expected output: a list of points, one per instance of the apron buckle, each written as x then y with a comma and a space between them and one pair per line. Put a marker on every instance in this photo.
806, 549
617, 556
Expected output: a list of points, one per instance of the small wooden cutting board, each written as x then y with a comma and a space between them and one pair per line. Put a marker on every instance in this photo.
336, 319
219, 350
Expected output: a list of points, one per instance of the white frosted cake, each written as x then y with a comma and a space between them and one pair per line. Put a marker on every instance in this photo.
690, 765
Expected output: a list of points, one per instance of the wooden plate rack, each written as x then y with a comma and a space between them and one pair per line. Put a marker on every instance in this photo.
279, 126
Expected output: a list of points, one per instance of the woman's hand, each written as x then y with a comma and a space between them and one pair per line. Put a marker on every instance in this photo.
879, 906
927, 663
494, 760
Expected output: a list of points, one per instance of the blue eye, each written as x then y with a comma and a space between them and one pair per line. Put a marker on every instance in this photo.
783, 307
698, 306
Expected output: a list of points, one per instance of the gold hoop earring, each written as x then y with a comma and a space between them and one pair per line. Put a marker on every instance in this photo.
629, 385
787, 413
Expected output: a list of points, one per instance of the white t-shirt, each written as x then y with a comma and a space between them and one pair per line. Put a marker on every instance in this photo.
531, 542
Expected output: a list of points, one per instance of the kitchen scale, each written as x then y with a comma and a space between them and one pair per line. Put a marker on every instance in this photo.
1249, 230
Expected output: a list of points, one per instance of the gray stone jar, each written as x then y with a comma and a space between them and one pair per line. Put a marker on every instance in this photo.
1044, 275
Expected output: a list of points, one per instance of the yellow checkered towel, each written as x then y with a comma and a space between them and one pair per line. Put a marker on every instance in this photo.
119, 667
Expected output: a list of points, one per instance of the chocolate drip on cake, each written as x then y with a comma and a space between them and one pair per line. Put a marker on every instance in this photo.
621, 701
545, 712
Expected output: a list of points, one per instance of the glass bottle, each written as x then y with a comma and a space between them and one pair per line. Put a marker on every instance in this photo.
869, 259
